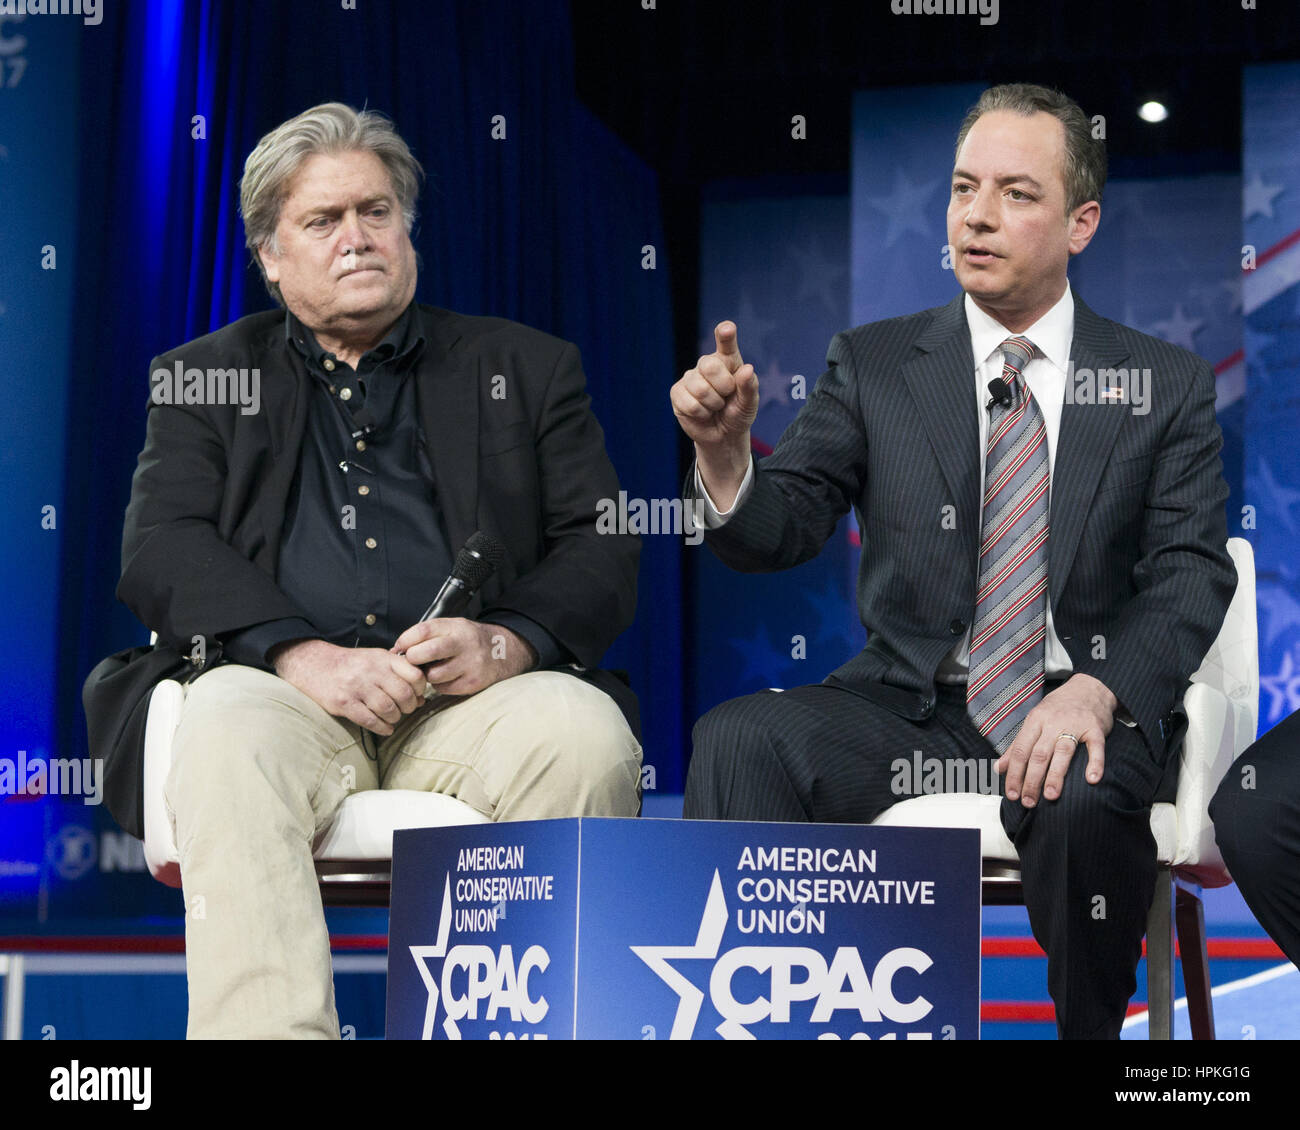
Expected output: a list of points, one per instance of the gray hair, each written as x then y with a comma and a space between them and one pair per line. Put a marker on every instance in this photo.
1084, 169
330, 128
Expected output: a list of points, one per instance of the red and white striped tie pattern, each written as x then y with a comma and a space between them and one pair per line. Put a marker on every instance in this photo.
1006, 647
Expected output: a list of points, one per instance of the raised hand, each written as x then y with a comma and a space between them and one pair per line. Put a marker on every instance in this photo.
715, 403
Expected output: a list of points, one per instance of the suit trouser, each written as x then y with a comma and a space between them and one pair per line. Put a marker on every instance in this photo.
1088, 860
259, 771
1256, 814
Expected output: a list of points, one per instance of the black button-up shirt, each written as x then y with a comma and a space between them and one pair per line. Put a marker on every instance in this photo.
364, 550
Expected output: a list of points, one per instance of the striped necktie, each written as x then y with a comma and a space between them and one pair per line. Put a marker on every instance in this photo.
1006, 647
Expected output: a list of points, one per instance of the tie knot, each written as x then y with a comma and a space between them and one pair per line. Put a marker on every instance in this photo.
1016, 352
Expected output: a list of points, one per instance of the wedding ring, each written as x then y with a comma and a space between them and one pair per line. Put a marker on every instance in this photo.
1067, 734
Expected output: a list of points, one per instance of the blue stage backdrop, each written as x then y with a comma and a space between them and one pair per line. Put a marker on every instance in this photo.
1271, 298
38, 136
775, 260
132, 176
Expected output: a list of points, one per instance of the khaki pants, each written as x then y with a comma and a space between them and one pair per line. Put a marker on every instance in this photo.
259, 770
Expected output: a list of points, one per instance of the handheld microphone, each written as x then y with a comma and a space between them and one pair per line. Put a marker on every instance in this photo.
475, 563
1000, 393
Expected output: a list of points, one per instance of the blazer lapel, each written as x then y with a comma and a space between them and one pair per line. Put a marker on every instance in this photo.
447, 396
941, 382
284, 405
1088, 433
284, 410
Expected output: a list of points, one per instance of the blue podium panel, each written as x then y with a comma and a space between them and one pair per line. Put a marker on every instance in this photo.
668, 929
482, 932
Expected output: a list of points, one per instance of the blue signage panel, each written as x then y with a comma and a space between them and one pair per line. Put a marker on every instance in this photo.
777, 931
667, 929
482, 932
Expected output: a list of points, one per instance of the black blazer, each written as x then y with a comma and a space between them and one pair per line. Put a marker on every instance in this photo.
1138, 571
516, 452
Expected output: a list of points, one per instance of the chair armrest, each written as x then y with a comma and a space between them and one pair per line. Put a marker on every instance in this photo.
1216, 733
160, 852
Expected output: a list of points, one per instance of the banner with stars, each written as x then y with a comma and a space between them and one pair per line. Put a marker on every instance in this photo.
601, 929
792, 264
1271, 303
774, 261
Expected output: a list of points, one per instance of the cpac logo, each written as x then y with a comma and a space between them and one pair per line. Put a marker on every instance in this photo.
491, 977
795, 973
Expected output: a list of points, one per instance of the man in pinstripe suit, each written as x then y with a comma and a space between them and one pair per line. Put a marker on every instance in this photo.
1057, 611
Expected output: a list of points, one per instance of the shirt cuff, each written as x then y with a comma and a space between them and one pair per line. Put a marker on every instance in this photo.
713, 517
550, 652
250, 645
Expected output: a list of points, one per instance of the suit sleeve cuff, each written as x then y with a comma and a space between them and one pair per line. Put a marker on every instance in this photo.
250, 645
550, 652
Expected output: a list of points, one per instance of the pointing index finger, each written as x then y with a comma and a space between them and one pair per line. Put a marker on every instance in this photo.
725, 335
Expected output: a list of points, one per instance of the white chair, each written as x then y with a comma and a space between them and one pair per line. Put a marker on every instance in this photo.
353, 855
1222, 708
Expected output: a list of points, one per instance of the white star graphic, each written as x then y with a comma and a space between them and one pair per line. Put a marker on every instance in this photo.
1278, 611
421, 953
1180, 329
1280, 496
712, 924
1257, 197
1285, 689
818, 275
774, 385
1211, 293
907, 207
751, 330
1233, 287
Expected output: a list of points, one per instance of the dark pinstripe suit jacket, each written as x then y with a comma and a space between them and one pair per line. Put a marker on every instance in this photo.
1138, 572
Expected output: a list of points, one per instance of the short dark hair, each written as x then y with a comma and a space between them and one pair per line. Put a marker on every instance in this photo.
1085, 156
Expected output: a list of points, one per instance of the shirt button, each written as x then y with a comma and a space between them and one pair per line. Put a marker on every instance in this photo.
371, 543
957, 627
329, 365
370, 620
345, 394
363, 490
361, 445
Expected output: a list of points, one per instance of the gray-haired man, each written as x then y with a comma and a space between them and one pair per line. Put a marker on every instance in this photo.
301, 543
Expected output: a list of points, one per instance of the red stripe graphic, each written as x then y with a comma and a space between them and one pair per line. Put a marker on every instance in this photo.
1226, 949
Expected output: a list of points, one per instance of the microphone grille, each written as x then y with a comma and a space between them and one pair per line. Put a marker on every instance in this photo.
478, 560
